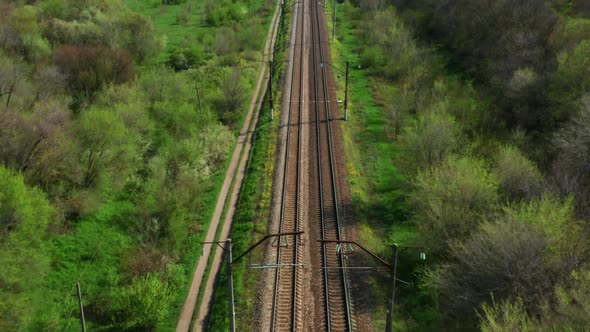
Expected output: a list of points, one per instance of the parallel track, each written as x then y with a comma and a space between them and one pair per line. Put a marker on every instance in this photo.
337, 304
287, 302
286, 298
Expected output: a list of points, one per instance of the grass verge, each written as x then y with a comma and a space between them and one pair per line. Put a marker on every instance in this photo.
252, 215
378, 189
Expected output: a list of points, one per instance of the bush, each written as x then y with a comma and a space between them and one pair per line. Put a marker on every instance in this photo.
507, 316
452, 199
145, 303
519, 177
499, 260
89, 68
25, 214
428, 142
185, 58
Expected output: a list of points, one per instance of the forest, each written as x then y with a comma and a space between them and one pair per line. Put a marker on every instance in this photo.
486, 105
116, 120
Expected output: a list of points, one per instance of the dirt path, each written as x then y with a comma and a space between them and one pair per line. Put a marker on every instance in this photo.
244, 141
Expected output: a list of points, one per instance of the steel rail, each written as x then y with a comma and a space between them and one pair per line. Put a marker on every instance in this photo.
284, 194
320, 184
339, 230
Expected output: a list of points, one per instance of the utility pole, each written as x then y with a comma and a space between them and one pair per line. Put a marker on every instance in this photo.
391, 267
389, 326
272, 111
230, 285
82, 320
346, 93
198, 95
334, 22
230, 261
345, 85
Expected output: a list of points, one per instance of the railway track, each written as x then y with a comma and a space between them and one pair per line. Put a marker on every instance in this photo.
286, 314
334, 307
338, 309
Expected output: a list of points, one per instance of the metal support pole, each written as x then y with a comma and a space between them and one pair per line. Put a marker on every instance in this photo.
230, 285
230, 261
389, 326
346, 93
82, 320
334, 22
270, 101
282, 24
198, 96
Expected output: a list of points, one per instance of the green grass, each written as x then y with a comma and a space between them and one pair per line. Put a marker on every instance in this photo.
379, 190
377, 186
251, 220
181, 25
250, 223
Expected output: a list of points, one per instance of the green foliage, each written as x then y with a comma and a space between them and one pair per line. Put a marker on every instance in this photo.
132, 168
519, 178
186, 58
109, 148
571, 80
496, 67
452, 199
507, 316
574, 302
427, 143
113, 27
231, 98
570, 313
555, 218
500, 260
522, 253
146, 302
393, 52
172, 2
570, 171
24, 216
29, 41
574, 31
218, 15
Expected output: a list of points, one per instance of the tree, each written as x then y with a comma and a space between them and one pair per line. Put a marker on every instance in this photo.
507, 316
569, 314
506, 45
12, 74
555, 219
25, 32
499, 260
452, 199
571, 167
574, 302
225, 41
570, 81
519, 178
89, 68
144, 305
232, 98
24, 217
48, 82
522, 252
36, 143
429, 141
109, 148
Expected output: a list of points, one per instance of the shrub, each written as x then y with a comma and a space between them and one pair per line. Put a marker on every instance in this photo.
452, 199
519, 177
89, 68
